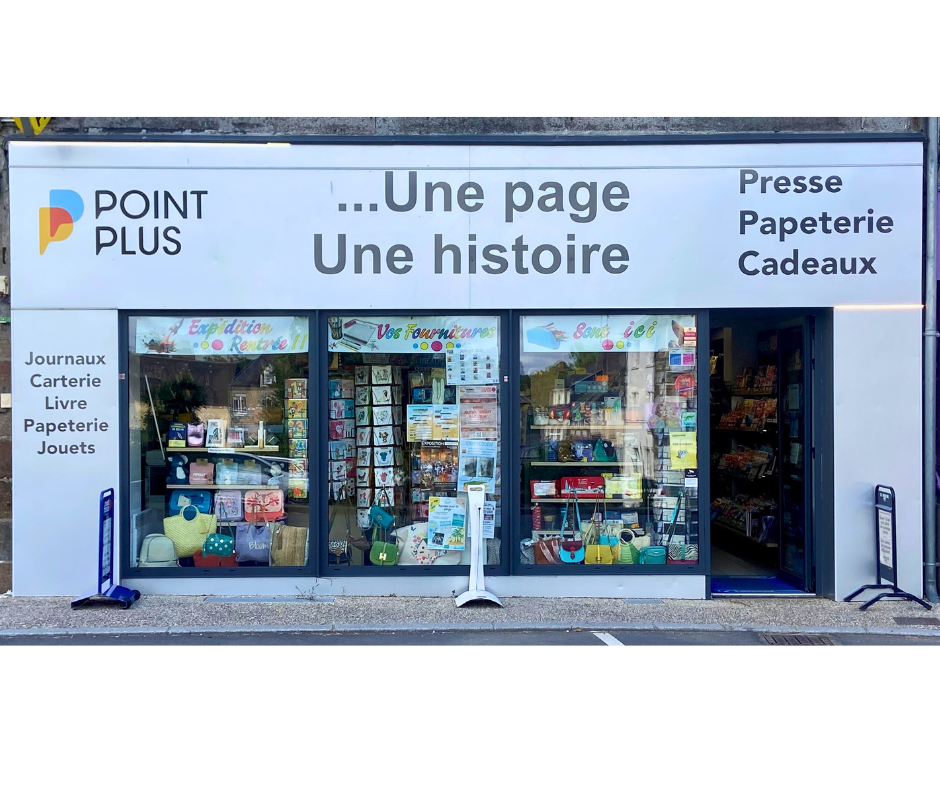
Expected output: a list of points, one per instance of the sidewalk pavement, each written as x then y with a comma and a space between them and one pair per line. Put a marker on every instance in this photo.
197, 614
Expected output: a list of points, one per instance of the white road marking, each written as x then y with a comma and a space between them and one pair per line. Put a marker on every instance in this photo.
607, 638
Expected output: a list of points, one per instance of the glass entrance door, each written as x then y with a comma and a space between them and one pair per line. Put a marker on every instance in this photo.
796, 544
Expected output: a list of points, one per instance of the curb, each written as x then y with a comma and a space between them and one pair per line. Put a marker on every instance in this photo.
501, 626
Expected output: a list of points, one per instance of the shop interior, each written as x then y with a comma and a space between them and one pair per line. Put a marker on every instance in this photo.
760, 389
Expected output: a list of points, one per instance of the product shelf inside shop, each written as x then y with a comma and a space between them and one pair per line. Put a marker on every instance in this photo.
589, 427
223, 449
221, 487
589, 463
580, 500
737, 531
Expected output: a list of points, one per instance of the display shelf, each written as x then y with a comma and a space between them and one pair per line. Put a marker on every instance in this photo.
587, 427
592, 463
752, 393
745, 430
738, 532
744, 478
222, 449
581, 500
222, 487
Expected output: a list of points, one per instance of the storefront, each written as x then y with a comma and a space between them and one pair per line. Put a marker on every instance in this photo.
290, 360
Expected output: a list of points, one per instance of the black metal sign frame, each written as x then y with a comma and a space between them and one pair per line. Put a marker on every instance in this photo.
886, 552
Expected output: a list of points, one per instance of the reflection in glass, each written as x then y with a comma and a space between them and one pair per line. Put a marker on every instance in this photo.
609, 450
413, 419
218, 441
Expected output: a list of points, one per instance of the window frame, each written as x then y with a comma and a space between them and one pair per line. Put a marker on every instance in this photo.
510, 436
332, 570
129, 572
703, 567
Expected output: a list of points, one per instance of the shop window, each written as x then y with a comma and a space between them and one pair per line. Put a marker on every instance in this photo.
413, 419
609, 461
218, 441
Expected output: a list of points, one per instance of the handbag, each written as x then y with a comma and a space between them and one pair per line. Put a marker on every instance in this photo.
677, 553
628, 552
189, 530
252, 542
201, 472
413, 550
288, 545
201, 559
571, 550
338, 542
527, 551
653, 555
228, 506
547, 551
682, 554
264, 505
157, 550
219, 544
384, 552
597, 547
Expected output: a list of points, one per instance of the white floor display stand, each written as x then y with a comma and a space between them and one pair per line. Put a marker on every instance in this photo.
477, 592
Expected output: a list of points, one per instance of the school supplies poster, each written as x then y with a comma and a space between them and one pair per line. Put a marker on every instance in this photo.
682, 450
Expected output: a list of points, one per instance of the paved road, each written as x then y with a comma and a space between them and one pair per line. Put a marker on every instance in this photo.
525, 638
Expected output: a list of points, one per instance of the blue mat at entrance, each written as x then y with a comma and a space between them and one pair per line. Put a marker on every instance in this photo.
753, 586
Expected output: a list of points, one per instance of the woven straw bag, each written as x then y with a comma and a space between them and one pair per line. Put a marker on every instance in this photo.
189, 533
288, 545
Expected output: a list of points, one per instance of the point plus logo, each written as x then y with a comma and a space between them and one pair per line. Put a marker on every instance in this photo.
56, 221
138, 221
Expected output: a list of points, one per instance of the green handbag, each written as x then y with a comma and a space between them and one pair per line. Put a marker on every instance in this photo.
384, 553
219, 544
653, 555
629, 552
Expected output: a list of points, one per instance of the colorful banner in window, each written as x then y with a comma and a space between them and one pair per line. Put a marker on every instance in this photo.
221, 336
404, 334
607, 333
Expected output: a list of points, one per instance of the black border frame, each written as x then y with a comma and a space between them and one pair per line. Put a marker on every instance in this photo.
128, 572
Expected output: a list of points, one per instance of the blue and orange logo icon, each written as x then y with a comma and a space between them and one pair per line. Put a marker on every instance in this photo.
56, 221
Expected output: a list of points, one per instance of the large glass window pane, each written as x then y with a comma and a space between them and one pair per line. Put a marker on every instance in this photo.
413, 419
218, 441
609, 460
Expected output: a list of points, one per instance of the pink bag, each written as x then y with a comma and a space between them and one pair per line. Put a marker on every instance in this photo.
201, 472
228, 505
263, 506
195, 434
